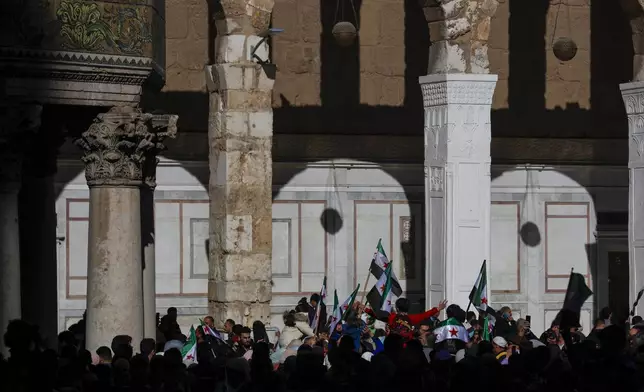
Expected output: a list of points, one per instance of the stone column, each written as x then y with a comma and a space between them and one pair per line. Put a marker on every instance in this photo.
633, 95
240, 134
457, 181
17, 124
116, 147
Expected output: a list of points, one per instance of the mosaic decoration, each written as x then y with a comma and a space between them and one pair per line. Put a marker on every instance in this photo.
86, 26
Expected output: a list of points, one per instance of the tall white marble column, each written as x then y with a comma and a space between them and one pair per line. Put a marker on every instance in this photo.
115, 148
633, 95
457, 182
17, 124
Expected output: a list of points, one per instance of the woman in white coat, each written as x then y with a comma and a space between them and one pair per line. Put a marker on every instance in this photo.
296, 326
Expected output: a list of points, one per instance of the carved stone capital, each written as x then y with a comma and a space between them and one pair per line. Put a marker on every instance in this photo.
118, 143
18, 124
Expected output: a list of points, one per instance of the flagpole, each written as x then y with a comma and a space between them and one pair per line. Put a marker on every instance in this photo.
364, 293
470, 300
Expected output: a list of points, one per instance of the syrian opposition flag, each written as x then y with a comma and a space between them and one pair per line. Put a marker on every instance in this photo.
315, 323
381, 295
451, 329
478, 295
340, 311
379, 265
189, 350
209, 331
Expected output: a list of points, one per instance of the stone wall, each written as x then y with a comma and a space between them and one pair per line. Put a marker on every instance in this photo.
578, 98
373, 90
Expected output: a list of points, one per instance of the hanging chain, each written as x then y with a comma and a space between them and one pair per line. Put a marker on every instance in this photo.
554, 30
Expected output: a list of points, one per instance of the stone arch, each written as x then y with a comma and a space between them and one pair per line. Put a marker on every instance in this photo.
459, 32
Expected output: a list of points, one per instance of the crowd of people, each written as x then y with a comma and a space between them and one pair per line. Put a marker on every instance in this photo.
366, 350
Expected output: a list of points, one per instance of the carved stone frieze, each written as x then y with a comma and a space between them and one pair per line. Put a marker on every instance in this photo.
457, 92
633, 96
118, 143
18, 124
436, 179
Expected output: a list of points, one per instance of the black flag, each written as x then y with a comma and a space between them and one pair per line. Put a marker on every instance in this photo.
576, 295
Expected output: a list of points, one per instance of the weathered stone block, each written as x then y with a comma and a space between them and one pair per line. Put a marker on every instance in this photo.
264, 83
260, 123
222, 77
263, 233
255, 43
240, 312
230, 48
231, 122
246, 100
240, 199
309, 22
446, 57
228, 26
177, 25
248, 291
199, 20
193, 54
370, 24
241, 268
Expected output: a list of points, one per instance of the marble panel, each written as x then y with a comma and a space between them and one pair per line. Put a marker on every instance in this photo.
504, 264
313, 247
288, 249
77, 248
167, 247
193, 245
373, 222
282, 262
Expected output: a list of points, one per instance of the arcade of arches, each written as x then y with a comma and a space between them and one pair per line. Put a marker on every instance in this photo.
224, 170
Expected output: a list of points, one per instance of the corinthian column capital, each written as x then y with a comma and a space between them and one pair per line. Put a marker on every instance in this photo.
118, 143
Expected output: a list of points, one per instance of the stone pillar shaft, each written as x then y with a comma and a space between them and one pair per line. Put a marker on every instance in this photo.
457, 181
17, 124
114, 280
633, 95
117, 146
240, 133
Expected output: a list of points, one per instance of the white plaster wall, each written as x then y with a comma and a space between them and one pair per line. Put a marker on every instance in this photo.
562, 203
372, 204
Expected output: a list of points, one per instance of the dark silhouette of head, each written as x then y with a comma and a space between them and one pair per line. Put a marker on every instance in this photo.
403, 305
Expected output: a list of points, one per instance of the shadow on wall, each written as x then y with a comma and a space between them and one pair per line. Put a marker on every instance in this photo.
611, 56
342, 114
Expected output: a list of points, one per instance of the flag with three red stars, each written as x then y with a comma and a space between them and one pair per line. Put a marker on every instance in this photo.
379, 265
381, 294
478, 295
189, 350
451, 329
340, 311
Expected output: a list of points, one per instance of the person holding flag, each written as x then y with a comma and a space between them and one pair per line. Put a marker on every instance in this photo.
451, 334
189, 350
340, 311
381, 294
319, 307
478, 298
379, 265
403, 323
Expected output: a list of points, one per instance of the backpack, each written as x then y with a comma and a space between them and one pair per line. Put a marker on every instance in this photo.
401, 325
